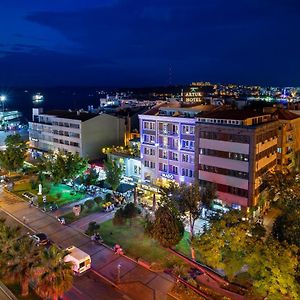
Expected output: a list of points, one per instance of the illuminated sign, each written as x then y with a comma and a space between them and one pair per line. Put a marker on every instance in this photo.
167, 176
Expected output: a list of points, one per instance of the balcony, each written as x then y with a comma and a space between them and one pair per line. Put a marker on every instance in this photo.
168, 132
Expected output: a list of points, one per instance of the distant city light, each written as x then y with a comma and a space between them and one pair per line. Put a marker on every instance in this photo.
37, 98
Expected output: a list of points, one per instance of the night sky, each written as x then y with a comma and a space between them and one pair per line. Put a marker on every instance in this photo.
146, 43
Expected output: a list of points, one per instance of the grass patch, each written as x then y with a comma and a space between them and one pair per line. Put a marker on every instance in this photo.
136, 244
66, 194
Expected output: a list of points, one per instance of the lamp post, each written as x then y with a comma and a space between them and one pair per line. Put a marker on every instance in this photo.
3, 99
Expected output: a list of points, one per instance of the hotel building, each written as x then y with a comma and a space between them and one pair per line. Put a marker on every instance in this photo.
74, 131
235, 149
168, 142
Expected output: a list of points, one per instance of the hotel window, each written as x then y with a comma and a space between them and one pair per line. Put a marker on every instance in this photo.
163, 167
163, 154
173, 169
147, 163
149, 151
149, 125
152, 165
174, 156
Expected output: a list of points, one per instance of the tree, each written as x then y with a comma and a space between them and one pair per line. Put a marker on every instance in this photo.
223, 245
167, 228
286, 227
92, 228
67, 166
13, 157
208, 193
114, 173
232, 245
8, 237
190, 204
89, 204
282, 187
21, 266
272, 269
55, 276
98, 200
119, 219
92, 177
130, 212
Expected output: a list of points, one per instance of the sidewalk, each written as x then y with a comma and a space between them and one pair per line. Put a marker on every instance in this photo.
136, 281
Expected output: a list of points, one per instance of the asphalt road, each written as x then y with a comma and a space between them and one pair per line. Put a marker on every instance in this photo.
86, 287
136, 281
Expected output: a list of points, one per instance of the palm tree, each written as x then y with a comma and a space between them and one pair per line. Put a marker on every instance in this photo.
8, 237
21, 266
55, 276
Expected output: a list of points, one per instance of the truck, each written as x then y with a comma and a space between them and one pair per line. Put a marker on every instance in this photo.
81, 260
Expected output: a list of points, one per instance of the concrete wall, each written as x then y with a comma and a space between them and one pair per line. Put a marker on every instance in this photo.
99, 132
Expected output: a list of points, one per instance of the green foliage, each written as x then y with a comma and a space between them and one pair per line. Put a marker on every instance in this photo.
92, 177
62, 166
130, 211
119, 219
232, 244
272, 269
286, 227
208, 194
98, 200
13, 157
55, 276
89, 204
108, 197
283, 188
167, 228
58, 195
114, 173
21, 261
92, 228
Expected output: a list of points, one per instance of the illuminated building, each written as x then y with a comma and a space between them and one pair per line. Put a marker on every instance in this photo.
236, 148
74, 131
168, 142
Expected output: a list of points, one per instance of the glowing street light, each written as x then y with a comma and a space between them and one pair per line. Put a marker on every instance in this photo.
2, 99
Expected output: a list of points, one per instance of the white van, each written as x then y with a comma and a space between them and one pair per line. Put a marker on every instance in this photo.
81, 260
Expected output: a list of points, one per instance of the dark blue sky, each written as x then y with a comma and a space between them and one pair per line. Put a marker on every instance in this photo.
135, 43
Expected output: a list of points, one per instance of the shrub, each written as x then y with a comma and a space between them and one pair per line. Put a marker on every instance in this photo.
98, 200
89, 204
58, 195
119, 218
92, 228
108, 197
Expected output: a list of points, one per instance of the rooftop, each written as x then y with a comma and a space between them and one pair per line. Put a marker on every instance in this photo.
284, 114
233, 114
177, 106
74, 115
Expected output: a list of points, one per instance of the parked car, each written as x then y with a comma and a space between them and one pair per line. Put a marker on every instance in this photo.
40, 239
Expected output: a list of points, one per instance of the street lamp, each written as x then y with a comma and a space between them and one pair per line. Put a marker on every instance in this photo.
3, 99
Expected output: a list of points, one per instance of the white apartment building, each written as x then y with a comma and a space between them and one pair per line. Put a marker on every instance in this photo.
168, 142
74, 131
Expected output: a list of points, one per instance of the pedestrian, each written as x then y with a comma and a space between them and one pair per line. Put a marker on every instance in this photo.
24, 219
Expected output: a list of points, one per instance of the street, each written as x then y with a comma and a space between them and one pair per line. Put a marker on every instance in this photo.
86, 287
135, 281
